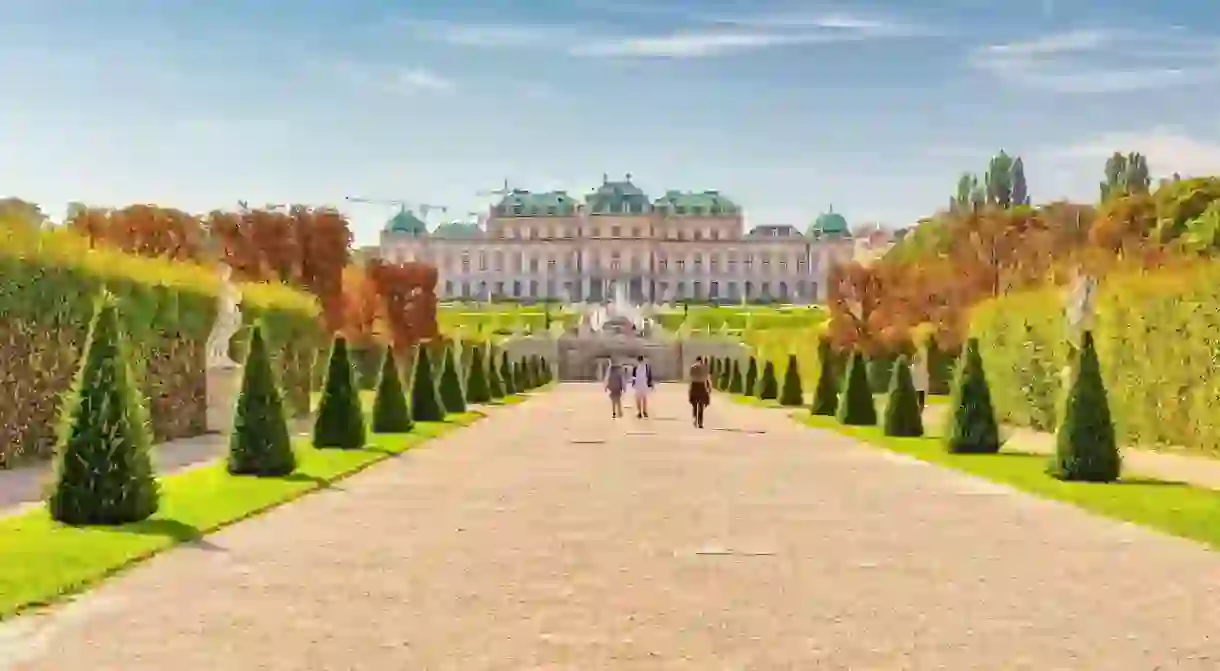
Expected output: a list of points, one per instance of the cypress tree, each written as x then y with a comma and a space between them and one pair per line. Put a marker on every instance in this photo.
259, 443
477, 388
726, 375
340, 419
1085, 446
495, 384
452, 394
973, 428
792, 395
751, 381
856, 408
426, 404
506, 375
390, 411
520, 381
768, 386
826, 394
103, 468
902, 417
736, 384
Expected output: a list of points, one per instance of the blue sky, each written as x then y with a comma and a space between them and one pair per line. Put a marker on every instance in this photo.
786, 105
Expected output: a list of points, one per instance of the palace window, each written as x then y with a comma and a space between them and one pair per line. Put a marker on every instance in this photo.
800, 264
533, 264
550, 265
635, 263
498, 262
714, 262
715, 234
783, 264
615, 261
698, 263
616, 232
680, 210
465, 262
482, 260
698, 234
662, 263
681, 265
748, 262
517, 264
635, 232
595, 232
766, 262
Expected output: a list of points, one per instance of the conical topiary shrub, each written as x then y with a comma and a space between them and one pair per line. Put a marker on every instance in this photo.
495, 383
856, 407
259, 443
736, 384
426, 404
726, 375
768, 386
826, 394
902, 417
973, 428
103, 469
520, 381
452, 394
1085, 446
792, 395
477, 388
390, 411
751, 381
340, 419
506, 375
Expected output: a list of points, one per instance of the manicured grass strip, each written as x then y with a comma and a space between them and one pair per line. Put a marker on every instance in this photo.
878, 399
1172, 507
41, 560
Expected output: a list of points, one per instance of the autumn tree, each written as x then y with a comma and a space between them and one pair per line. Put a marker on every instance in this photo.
1126, 174
408, 299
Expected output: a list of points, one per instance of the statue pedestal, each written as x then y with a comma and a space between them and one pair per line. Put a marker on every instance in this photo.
224, 383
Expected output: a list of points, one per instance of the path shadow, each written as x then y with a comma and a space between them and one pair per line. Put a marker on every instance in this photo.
178, 531
321, 483
1150, 482
754, 432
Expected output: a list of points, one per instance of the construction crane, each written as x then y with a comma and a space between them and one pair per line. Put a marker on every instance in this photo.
503, 191
402, 205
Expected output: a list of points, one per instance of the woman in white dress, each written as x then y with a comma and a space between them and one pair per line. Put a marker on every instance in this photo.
641, 384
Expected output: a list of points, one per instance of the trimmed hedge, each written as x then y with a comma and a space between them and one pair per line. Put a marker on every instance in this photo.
856, 407
259, 443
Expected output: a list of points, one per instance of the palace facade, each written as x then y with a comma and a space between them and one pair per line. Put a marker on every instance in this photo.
689, 246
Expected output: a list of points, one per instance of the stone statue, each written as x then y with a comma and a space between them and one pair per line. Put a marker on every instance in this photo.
228, 321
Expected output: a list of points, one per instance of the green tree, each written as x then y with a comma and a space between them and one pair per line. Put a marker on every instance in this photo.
857, 407
751, 381
999, 180
495, 383
259, 443
768, 386
506, 375
792, 395
390, 411
826, 394
972, 428
477, 388
902, 416
1020, 189
1126, 174
452, 395
736, 384
103, 468
426, 404
520, 380
340, 419
1085, 445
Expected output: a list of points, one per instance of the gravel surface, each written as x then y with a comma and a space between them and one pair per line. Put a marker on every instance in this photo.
553, 537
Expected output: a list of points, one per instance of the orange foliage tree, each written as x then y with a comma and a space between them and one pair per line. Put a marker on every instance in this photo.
146, 230
408, 300
362, 312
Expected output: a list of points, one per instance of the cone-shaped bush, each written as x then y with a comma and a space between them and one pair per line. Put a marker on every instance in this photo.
826, 394
520, 382
751, 381
726, 375
452, 394
768, 386
527, 372
1085, 446
259, 443
972, 423
340, 419
548, 374
103, 469
856, 407
736, 384
495, 383
506, 375
792, 395
477, 388
902, 417
390, 411
426, 404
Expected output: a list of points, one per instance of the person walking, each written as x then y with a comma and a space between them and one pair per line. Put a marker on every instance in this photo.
919, 376
615, 384
700, 394
641, 383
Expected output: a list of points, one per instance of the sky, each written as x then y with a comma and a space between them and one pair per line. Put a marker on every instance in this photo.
787, 106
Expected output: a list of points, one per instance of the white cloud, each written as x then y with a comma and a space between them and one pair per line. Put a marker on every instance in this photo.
384, 78
486, 35
1168, 151
419, 78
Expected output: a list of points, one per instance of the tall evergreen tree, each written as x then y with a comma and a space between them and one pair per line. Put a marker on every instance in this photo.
902, 415
768, 386
826, 394
792, 394
390, 411
259, 443
506, 375
973, 428
999, 180
751, 381
477, 388
857, 408
426, 404
340, 419
453, 396
495, 383
736, 384
103, 469
1085, 446
726, 374
1020, 189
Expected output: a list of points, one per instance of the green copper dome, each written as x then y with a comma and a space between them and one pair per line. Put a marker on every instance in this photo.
458, 230
706, 203
829, 224
405, 222
621, 197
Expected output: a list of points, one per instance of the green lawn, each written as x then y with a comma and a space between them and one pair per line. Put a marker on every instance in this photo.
41, 560
878, 398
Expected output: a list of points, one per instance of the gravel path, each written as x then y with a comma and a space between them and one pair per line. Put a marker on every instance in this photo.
552, 537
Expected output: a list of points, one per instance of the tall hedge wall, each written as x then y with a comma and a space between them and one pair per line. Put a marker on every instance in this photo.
48, 281
1158, 341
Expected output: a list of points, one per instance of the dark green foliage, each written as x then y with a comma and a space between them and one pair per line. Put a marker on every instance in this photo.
856, 408
477, 388
726, 375
751, 381
452, 395
340, 419
520, 381
768, 386
390, 411
972, 425
792, 394
527, 372
880, 372
259, 443
902, 416
736, 384
103, 469
426, 404
495, 383
826, 395
1085, 445
506, 375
